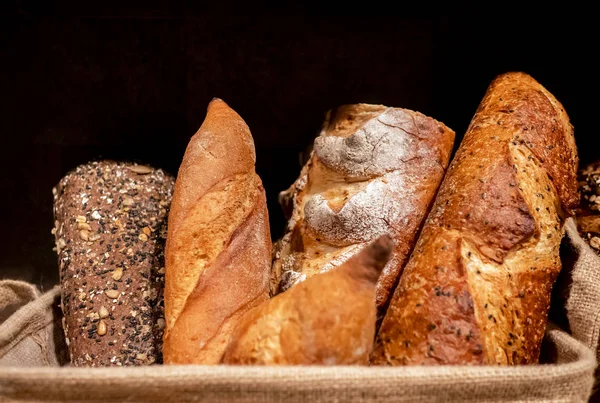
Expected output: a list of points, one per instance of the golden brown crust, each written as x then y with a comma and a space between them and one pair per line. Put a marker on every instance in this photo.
477, 286
373, 170
224, 144
327, 320
218, 246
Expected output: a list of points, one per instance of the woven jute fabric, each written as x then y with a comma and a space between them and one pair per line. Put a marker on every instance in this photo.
568, 379
566, 373
582, 305
31, 336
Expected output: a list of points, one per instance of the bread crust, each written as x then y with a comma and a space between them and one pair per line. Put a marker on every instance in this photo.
476, 289
218, 245
588, 212
374, 170
110, 230
327, 320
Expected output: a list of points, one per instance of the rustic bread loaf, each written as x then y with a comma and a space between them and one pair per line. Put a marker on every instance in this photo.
218, 250
374, 170
110, 229
588, 213
477, 287
327, 320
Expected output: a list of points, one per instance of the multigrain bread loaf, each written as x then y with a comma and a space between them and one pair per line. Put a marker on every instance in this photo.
374, 170
327, 320
588, 213
477, 287
218, 247
110, 229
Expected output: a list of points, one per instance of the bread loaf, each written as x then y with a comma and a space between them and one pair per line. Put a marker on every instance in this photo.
477, 287
588, 213
110, 229
327, 320
218, 247
374, 170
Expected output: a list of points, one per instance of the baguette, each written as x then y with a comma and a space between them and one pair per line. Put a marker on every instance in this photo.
327, 320
218, 249
477, 287
374, 170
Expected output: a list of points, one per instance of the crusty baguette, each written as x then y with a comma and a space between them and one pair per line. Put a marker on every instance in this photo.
374, 170
218, 245
477, 287
327, 320
110, 230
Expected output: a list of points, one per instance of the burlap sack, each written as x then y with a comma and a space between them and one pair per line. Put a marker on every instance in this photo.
565, 375
30, 329
581, 278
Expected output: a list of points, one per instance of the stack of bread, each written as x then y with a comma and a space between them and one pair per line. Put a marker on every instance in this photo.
394, 254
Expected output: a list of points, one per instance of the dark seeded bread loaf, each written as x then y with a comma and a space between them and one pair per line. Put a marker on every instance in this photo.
110, 230
477, 287
588, 213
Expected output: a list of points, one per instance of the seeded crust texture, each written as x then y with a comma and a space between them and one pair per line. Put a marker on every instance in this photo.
110, 231
328, 319
477, 287
374, 170
218, 250
588, 213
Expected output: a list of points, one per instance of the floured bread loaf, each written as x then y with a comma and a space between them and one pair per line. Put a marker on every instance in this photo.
373, 170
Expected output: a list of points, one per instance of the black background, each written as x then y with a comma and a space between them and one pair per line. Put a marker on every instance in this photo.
133, 82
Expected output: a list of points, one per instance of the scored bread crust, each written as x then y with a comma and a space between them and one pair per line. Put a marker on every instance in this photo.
327, 320
373, 170
218, 244
477, 287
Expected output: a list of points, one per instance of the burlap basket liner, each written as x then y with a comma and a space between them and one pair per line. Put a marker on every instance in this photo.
566, 374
